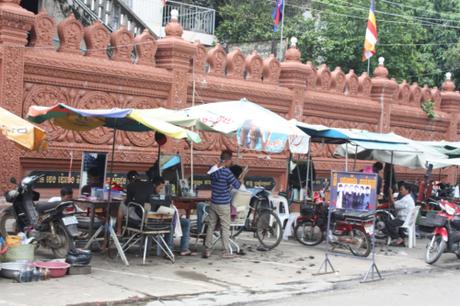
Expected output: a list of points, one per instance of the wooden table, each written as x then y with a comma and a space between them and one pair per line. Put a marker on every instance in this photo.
188, 203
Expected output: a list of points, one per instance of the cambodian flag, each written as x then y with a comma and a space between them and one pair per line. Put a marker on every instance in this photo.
278, 14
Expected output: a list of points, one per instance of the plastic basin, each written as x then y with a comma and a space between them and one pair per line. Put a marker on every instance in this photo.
55, 268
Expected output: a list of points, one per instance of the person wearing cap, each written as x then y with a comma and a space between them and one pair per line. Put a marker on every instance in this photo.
222, 182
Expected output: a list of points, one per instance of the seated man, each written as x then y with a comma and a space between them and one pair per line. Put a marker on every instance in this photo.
403, 206
139, 192
66, 195
158, 184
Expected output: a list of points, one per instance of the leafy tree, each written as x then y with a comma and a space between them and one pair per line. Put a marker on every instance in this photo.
417, 44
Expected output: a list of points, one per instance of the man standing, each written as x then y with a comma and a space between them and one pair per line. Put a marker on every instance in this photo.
222, 181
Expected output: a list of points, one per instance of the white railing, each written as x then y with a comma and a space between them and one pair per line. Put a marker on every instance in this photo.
191, 17
111, 13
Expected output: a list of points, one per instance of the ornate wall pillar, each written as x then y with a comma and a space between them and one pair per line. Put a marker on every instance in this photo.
293, 76
175, 54
15, 22
450, 103
383, 91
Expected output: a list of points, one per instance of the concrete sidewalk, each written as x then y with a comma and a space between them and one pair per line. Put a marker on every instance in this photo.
257, 276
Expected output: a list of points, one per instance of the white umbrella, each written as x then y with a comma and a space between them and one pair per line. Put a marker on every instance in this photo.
256, 127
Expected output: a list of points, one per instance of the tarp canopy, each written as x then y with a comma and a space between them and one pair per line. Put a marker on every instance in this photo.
256, 127
369, 140
411, 155
133, 120
22, 132
449, 148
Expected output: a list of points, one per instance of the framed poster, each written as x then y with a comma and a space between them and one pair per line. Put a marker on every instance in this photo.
353, 191
93, 171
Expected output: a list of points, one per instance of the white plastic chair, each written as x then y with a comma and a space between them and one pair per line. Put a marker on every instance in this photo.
409, 226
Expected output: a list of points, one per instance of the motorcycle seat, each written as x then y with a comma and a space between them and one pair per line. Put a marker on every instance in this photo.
42, 207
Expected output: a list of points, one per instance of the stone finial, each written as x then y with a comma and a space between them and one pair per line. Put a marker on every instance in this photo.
235, 64
200, 58
404, 93
15, 23
122, 44
146, 48
381, 71
254, 67
70, 32
293, 54
97, 39
174, 28
217, 60
365, 84
338, 80
43, 30
448, 84
352, 83
272, 70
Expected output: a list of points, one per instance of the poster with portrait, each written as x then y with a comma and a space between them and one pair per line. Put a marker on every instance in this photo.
354, 191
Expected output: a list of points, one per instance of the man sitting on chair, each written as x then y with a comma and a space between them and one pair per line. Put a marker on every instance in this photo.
158, 184
403, 207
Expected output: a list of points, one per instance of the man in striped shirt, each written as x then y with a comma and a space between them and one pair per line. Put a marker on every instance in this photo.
222, 182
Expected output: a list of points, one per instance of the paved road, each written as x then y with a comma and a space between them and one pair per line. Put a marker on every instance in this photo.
427, 288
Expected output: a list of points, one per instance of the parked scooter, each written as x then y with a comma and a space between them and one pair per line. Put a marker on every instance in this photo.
52, 224
350, 230
446, 237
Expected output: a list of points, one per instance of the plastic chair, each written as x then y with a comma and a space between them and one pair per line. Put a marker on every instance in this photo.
409, 226
151, 226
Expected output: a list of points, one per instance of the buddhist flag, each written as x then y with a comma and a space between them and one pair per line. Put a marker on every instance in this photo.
278, 14
371, 35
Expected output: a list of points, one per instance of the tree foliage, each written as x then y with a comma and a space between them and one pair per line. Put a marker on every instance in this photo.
418, 38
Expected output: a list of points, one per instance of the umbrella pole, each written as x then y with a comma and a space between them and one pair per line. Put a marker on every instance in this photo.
391, 171
193, 129
346, 157
307, 174
356, 157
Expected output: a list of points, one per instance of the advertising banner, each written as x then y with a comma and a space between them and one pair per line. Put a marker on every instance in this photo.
354, 191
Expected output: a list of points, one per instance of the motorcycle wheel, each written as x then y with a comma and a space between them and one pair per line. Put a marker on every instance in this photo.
435, 249
363, 248
308, 234
8, 224
62, 243
379, 225
269, 230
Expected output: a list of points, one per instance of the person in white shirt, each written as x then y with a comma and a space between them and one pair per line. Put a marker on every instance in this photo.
403, 207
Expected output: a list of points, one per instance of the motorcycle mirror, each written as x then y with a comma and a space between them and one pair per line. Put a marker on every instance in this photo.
13, 180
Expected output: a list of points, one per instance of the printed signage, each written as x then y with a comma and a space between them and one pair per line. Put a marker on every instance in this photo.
354, 191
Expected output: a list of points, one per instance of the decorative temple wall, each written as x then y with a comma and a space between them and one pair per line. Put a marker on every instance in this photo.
162, 73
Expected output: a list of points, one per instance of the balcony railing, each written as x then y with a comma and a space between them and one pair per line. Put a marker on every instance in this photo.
191, 17
111, 13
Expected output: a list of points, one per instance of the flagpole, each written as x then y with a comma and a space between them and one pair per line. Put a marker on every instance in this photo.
282, 30
368, 66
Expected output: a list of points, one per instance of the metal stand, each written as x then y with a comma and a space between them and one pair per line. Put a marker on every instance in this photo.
108, 228
373, 271
326, 267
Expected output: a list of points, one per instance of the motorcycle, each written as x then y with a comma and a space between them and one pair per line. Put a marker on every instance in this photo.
52, 225
446, 237
350, 230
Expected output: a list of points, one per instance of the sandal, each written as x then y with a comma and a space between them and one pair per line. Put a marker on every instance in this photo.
188, 253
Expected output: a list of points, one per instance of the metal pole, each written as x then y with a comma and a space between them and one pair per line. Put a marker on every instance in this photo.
282, 31
391, 171
346, 156
193, 129
368, 66
356, 157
